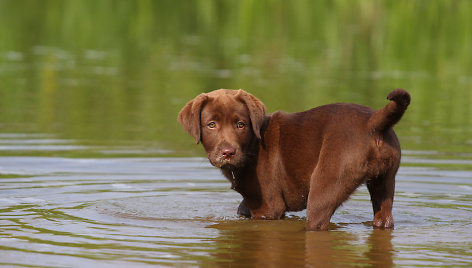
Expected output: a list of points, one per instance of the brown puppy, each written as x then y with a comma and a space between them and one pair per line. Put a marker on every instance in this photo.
288, 162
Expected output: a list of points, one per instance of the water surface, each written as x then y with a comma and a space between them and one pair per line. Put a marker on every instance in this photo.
121, 212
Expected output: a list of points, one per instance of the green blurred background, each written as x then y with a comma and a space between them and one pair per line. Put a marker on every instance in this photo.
117, 73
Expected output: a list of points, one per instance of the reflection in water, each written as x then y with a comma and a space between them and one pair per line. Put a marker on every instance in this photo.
332, 248
128, 212
260, 243
381, 249
279, 244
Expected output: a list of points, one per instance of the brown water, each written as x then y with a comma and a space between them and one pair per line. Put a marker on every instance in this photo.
132, 212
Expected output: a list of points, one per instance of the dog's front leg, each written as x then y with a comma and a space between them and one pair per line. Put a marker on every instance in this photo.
243, 211
270, 209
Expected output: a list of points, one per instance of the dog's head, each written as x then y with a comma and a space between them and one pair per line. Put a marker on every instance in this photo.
226, 122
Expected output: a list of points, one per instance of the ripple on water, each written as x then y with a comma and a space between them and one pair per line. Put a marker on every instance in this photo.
140, 211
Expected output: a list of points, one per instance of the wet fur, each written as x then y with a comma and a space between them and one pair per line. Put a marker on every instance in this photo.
291, 161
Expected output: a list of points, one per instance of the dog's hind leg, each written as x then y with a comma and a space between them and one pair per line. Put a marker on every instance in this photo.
328, 190
381, 191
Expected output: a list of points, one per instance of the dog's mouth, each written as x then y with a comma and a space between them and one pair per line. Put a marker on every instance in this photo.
229, 164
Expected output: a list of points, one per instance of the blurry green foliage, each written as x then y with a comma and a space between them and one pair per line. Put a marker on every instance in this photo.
117, 71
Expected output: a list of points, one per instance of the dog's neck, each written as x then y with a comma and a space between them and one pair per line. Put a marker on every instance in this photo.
244, 174
244, 179
230, 174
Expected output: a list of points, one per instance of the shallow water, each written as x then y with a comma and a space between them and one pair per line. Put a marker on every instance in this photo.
131, 212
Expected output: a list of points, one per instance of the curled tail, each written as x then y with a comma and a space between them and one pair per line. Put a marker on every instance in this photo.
383, 119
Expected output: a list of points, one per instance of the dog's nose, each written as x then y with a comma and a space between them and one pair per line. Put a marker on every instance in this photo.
228, 152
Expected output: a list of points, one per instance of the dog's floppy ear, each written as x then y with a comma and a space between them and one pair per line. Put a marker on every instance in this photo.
256, 109
189, 116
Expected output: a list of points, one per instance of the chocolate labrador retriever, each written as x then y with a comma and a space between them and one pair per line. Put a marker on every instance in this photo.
291, 161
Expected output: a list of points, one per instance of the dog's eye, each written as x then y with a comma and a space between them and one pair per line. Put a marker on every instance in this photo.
240, 125
211, 125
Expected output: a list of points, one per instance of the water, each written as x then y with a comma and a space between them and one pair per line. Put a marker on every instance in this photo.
95, 171
122, 212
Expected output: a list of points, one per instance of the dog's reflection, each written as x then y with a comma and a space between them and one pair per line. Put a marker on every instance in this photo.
286, 243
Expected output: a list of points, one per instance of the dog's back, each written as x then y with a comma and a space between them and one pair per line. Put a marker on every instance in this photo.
336, 135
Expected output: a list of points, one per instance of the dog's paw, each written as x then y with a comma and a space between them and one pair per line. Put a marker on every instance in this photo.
381, 223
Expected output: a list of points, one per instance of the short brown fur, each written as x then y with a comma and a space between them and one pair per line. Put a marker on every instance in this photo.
313, 159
